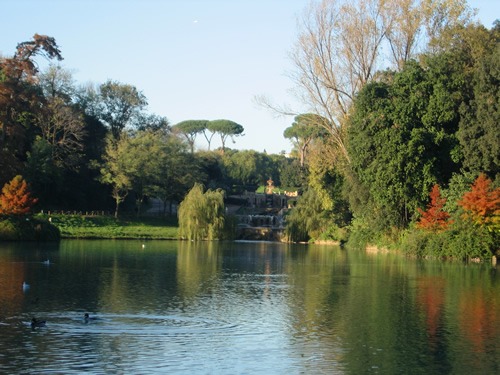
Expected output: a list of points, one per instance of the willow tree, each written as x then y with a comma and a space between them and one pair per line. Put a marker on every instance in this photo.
202, 214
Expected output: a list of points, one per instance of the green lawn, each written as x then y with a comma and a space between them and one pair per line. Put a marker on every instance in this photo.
76, 226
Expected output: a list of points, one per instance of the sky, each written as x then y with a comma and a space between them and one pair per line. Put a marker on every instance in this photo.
192, 59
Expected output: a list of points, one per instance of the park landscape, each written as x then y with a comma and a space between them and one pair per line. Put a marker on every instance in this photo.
371, 246
404, 158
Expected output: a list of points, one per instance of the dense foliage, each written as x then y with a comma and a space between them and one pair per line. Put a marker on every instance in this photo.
411, 146
95, 147
202, 214
405, 157
15, 198
419, 127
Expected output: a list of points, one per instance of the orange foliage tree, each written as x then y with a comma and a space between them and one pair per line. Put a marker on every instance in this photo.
482, 203
16, 198
434, 218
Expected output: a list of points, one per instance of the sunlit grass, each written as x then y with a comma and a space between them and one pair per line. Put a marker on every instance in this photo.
77, 226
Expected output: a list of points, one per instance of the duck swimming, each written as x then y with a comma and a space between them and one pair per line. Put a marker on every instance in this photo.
35, 323
87, 318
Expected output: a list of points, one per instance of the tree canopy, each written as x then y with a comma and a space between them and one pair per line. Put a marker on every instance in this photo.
225, 129
16, 198
202, 214
189, 129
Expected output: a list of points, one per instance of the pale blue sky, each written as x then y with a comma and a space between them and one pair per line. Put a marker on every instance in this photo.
192, 59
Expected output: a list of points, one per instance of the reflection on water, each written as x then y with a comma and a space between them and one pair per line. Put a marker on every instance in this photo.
242, 308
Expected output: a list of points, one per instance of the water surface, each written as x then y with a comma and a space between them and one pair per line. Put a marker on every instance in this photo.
242, 308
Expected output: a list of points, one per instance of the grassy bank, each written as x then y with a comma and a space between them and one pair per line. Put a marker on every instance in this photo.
76, 226
27, 228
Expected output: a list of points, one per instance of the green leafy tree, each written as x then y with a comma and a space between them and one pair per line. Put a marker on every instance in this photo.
116, 105
115, 169
292, 175
213, 173
177, 174
146, 156
249, 168
309, 220
202, 214
44, 175
225, 129
478, 134
189, 129
402, 138
303, 131
152, 122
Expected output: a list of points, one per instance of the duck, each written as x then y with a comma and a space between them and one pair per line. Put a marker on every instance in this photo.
35, 323
87, 318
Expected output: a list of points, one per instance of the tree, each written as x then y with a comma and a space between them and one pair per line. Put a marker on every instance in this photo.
339, 46
62, 126
44, 176
482, 203
308, 219
117, 104
202, 214
115, 169
292, 175
152, 122
225, 129
249, 167
189, 129
55, 81
16, 198
335, 56
19, 70
177, 174
434, 218
19, 99
402, 136
407, 18
146, 156
478, 133
304, 129
416, 24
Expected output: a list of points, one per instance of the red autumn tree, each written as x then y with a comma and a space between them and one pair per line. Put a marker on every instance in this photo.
434, 218
16, 198
482, 203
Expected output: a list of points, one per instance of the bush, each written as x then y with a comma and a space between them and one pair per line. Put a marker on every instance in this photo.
361, 234
8, 230
414, 242
27, 228
467, 240
464, 240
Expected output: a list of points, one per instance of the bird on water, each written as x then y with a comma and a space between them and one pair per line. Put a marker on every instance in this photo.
35, 323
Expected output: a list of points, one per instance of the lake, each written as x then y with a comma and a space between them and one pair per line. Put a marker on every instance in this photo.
242, 308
